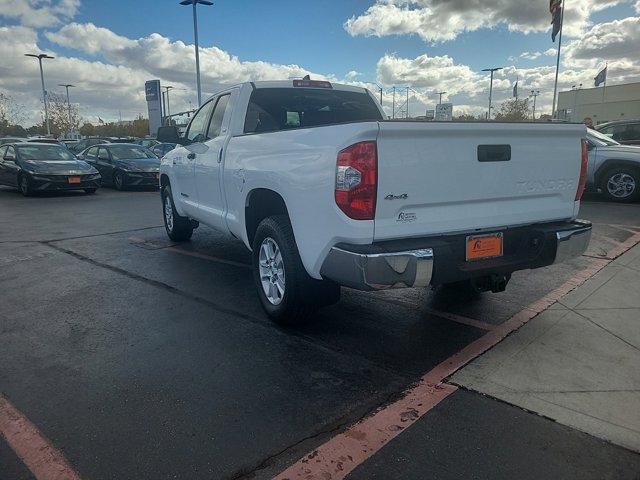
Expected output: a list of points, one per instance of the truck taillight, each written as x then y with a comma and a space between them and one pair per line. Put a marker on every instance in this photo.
584, 163
357, 180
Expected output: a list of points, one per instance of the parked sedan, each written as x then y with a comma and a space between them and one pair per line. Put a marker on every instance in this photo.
614, 169
626, 132
162, 148
5, 140
37, 167
85, 143
124, 165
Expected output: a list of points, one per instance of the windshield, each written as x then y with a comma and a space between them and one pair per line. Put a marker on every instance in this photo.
126, 152
600, 139
273, 109
51, 153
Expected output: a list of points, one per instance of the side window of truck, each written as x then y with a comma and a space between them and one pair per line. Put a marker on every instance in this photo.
218, 116
198, 127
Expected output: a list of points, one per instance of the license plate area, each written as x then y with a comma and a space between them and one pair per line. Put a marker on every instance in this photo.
74, 180
480, 247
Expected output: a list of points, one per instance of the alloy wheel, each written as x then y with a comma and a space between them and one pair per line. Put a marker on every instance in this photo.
271, 268
621, 185
168, 213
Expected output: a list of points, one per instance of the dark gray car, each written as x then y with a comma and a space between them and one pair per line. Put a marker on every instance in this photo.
614, 169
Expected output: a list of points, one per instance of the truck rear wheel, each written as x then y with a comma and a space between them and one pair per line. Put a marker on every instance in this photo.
287, 293
178, 228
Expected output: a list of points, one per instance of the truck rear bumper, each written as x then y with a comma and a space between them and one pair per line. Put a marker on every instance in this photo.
419, 262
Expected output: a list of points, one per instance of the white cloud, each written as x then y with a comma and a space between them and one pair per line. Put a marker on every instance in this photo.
551, 52
351, 75
530, 55
440, 20
39, 13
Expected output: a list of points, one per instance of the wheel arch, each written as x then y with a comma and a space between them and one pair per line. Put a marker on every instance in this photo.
613, 163
261, 203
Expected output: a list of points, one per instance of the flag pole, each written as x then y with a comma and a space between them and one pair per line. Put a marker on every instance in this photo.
555, 85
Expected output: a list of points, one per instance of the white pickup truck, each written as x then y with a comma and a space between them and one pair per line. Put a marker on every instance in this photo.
325, 192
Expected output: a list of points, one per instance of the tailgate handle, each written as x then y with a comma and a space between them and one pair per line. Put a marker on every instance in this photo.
494, 153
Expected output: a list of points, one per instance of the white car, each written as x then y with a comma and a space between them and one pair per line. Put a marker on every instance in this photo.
326, 192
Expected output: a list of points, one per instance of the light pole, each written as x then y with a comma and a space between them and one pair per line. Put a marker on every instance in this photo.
534, 94
40, 56
575, 101
67, 86
167, 88
491, 87
194, 3
440, 95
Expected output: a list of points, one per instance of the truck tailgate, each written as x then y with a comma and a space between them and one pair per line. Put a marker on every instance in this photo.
436, 178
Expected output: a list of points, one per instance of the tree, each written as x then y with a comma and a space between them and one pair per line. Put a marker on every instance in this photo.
465, 117
59, 114
12, 115
87, 130
513, 110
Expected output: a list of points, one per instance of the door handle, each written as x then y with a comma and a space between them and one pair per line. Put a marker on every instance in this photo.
191, 156
220, 156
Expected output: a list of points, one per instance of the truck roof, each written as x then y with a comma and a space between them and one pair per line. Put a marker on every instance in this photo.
289, 84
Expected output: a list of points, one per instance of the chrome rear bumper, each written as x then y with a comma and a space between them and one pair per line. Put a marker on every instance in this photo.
416, 267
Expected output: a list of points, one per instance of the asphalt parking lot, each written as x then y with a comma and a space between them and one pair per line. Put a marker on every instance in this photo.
138, 358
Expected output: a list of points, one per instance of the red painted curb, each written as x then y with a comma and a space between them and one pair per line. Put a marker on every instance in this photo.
40, 457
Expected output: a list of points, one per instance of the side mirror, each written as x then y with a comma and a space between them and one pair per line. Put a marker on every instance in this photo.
169, 134
79, 156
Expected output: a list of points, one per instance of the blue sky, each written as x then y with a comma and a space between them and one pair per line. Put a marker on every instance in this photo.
312, 36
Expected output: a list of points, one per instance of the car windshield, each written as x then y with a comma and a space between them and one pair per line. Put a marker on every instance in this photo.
128, 151
50, 153
600, 139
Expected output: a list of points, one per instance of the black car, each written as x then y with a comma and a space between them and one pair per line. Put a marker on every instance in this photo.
85, 143
38, 167
626, 132
162, 149
124, 164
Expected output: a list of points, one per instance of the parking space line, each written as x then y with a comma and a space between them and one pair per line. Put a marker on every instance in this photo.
341, 454
208, 257
43, 460
471, 322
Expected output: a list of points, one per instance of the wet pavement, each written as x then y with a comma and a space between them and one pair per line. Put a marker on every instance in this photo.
138, 358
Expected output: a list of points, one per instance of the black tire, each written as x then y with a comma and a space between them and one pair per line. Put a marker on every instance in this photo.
90, 191
118, 180
303, 295
179, 228
632, 175
25, 185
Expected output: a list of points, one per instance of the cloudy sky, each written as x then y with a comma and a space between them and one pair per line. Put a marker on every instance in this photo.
109, 48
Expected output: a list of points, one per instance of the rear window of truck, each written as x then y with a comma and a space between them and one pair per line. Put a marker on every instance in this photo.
275, 109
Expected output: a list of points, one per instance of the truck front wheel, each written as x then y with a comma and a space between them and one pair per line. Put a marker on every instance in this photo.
287, 293
178, 228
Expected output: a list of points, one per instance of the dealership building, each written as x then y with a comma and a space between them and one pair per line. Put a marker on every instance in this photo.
602, 104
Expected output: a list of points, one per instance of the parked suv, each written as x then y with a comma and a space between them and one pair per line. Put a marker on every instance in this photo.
626, 132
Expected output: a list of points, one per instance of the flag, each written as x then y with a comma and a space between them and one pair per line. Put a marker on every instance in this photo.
555, 8
601, 77
515, 90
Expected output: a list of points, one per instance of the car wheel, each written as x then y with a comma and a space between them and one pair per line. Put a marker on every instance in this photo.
25, 186
118, 180
178, 228
89, 191
621, 184
287, 293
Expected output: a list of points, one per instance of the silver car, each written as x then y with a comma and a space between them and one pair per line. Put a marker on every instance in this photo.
614, 169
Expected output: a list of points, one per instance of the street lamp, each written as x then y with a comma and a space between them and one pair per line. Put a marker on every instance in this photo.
40, 56
167, 88
491, 87
440, 94
534, 94
67, 86
195, 35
